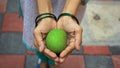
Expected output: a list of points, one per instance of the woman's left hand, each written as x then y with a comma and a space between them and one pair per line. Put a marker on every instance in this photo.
74, 35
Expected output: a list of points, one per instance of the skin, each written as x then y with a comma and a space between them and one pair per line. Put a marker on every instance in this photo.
67, 23
71, 27
43, 28
74, 36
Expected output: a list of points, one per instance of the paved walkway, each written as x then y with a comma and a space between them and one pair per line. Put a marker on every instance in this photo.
13, 54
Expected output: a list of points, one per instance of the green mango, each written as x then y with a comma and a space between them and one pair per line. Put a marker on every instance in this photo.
56, 40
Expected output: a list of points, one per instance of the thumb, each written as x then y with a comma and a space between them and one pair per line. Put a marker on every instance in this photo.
78, 38
42, 46
39, 40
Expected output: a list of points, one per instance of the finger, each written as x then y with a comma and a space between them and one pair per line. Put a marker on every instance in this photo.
39, 40
44, 36
68, 41
78, 38
35, 44
51, 55
41, 47
68, 49
62, 59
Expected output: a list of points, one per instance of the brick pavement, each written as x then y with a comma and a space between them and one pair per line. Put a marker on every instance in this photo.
13, 54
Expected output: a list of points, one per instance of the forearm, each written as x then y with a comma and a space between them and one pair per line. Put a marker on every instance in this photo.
44, 6
71, 6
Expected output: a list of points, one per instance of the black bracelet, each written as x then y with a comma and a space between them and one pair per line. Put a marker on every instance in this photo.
43, 18
68, 14
40, 15
44, 15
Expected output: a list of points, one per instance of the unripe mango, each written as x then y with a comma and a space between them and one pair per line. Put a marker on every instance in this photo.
56, 40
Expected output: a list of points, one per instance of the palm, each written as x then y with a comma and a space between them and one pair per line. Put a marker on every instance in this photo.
74, 35
46, 26
40, 33
43, 28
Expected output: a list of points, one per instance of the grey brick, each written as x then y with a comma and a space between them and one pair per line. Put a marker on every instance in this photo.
31, 61
115, 50
76, 52
11, 43
98, 61
12, 6
1, 20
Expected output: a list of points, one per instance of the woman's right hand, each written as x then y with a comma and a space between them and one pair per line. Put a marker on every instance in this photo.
40, 33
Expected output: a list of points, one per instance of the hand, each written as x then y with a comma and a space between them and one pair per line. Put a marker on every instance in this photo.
40, 32
74, 35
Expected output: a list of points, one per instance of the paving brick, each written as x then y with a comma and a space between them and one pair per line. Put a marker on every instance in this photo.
12, 61
30, 52
76, 52
11, 43
20, 20
115, 50
3, 4
116, 61
96, 50
73, 61
98, 61
12, 6
1, 20
12, 23
31, 61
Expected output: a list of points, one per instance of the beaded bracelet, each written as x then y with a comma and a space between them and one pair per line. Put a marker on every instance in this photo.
43, 16
68, 14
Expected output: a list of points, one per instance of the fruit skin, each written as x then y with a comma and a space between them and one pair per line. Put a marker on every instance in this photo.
56, 40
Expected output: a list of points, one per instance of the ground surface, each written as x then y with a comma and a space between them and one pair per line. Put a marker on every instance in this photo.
13, 54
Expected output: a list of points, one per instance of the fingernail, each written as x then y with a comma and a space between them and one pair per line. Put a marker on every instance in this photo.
56, 63
61, 55
61, 60
57, 60
40, 49
78, 47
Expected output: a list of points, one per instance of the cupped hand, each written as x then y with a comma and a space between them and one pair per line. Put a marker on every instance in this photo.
40, 33
74, 36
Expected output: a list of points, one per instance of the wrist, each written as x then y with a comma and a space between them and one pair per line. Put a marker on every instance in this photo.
71, 6
45, 10
69, 11
44, 6
47, 20
44, 16
68, 16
